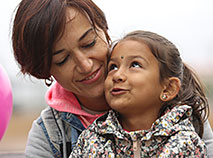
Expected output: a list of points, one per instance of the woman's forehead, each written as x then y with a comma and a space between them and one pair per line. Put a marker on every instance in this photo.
72, 13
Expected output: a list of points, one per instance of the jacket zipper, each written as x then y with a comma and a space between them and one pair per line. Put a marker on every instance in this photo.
136, 148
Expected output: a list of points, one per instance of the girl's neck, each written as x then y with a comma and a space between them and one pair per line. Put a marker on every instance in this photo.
94, 104
137, 122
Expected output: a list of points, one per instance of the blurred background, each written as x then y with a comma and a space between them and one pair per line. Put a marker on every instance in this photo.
187, 23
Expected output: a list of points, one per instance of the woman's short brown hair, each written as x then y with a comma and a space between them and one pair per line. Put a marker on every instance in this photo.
37, 26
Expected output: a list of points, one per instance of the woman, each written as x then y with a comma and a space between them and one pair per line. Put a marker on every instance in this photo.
66, 40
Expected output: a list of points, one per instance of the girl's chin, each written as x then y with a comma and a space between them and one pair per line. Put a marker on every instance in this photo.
120, 107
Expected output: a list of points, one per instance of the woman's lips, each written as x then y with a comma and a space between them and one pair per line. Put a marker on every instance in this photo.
92, 77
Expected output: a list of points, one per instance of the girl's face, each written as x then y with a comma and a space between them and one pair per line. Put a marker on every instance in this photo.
79, 57
133, 83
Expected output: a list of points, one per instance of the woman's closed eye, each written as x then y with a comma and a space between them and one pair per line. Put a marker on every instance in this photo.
135, 64
60, 63
89, 45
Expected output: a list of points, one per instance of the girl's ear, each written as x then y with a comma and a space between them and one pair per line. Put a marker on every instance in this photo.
170, 89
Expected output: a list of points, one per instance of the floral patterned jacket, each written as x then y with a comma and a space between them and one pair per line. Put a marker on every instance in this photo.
172, 135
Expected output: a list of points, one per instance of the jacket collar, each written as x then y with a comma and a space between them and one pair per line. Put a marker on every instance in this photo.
73, 120
175, 119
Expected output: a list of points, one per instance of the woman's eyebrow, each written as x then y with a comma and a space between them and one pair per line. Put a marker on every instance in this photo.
57, 52
81, 38
85, 34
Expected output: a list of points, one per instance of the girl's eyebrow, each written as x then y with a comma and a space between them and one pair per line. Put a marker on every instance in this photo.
140, 57
80, 39
128, 58
136, 56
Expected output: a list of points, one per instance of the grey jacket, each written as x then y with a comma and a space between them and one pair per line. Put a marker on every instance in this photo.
54, 134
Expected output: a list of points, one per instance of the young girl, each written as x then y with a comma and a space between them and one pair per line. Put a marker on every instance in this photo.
154, 97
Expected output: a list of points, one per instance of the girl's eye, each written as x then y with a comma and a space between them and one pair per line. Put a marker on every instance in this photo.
135, 64
113, 67
90, 44
63, 61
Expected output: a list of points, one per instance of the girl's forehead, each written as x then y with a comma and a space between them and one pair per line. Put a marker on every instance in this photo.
130, 49
127, 46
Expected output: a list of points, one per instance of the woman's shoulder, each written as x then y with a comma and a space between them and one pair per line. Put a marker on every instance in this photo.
41, 135
48, 123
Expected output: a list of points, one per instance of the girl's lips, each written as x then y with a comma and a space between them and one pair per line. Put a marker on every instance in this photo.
92, 77
118, 91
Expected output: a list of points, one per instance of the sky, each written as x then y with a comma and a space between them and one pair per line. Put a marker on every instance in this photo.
187, 23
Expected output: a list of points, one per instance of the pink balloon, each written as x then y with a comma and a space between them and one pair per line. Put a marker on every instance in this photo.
6, 101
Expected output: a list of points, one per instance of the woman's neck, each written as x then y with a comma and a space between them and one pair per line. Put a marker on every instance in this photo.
98, 104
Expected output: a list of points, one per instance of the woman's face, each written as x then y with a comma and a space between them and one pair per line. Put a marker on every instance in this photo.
79, 57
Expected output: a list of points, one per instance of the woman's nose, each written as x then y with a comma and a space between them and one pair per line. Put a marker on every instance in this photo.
84, 64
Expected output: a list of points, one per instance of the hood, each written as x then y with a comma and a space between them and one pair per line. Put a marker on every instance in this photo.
62, 100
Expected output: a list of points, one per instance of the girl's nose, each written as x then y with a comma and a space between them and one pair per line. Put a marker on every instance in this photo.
119, 76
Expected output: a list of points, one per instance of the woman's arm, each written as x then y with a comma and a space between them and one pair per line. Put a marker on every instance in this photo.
208, 138
37, 144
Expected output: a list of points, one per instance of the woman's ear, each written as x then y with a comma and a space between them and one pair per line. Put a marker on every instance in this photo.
170, 89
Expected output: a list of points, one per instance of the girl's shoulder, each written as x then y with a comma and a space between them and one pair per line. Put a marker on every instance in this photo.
184, 143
